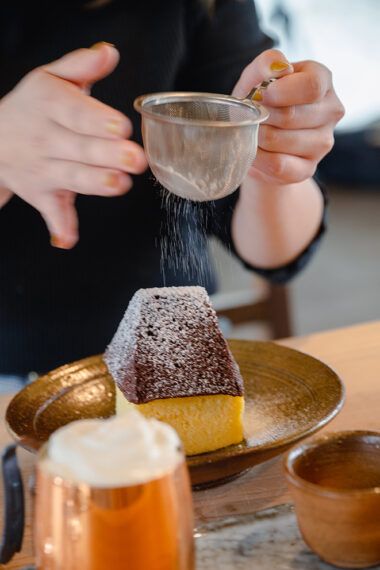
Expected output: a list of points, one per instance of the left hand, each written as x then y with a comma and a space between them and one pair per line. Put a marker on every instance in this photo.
304, 110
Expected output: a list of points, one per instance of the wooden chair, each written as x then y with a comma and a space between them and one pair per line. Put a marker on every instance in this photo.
271, 307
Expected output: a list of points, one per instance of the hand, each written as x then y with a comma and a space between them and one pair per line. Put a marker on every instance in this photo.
304, 110
57, 141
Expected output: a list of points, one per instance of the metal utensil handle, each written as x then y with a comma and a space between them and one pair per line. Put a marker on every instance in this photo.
13, 520
262, 85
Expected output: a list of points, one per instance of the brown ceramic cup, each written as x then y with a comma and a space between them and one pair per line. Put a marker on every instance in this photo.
334, 480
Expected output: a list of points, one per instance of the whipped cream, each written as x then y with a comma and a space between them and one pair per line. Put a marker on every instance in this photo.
127, 449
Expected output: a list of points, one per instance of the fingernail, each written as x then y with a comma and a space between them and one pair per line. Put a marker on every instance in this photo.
114, 127
57, 241
280, 66
112, 180
99, 45
129, 159
257, 95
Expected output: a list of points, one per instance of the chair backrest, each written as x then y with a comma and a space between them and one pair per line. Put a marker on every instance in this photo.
271, 308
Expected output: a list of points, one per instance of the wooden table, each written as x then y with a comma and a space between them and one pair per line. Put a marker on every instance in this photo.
354, 353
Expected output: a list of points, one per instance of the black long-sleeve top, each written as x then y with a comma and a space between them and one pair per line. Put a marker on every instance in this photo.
57, 306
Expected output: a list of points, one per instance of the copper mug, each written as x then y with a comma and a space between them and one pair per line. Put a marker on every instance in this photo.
148, 526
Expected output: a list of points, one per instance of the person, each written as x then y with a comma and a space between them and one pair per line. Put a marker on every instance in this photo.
71, 157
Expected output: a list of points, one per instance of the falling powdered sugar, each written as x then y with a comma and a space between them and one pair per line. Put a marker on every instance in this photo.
184, 238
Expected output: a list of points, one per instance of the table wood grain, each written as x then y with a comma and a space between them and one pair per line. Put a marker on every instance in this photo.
353, 352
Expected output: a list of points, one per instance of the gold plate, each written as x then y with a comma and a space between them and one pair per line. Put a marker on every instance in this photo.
288, 395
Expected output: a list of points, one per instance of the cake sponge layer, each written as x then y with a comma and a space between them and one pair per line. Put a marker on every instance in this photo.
204, 423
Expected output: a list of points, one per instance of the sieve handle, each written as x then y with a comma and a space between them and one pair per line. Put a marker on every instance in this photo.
262, 85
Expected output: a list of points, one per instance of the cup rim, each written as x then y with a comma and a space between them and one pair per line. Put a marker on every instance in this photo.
313, 443
141, 102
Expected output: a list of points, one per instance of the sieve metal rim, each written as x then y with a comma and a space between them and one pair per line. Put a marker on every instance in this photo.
141, 102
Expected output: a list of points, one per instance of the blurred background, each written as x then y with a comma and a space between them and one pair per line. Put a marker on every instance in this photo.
341, 285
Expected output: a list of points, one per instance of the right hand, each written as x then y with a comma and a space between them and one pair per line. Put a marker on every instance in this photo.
57, 141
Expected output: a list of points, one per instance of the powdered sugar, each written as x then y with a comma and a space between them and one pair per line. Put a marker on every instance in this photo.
169, 345
191, 187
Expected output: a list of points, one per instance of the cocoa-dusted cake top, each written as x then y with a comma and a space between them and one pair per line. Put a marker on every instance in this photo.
169, 345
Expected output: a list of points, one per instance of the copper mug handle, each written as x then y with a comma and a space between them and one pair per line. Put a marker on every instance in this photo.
13, 517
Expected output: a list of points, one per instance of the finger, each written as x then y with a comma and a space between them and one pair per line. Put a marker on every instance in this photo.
282, 168
5, 196
66, 105
308, 85
270, 63
61, 218
120, 154
308, 143
85, 66
84, 179
311, 116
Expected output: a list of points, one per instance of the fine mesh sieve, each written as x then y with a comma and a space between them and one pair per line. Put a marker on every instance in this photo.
199, 146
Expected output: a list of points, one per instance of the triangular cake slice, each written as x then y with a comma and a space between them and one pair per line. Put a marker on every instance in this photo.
170, 360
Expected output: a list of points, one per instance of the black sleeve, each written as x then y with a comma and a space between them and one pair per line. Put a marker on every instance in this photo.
221, 45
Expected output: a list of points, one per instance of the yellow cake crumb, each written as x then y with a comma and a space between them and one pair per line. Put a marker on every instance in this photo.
204, 423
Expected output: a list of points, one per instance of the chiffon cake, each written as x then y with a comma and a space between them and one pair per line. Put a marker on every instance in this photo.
170, 360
